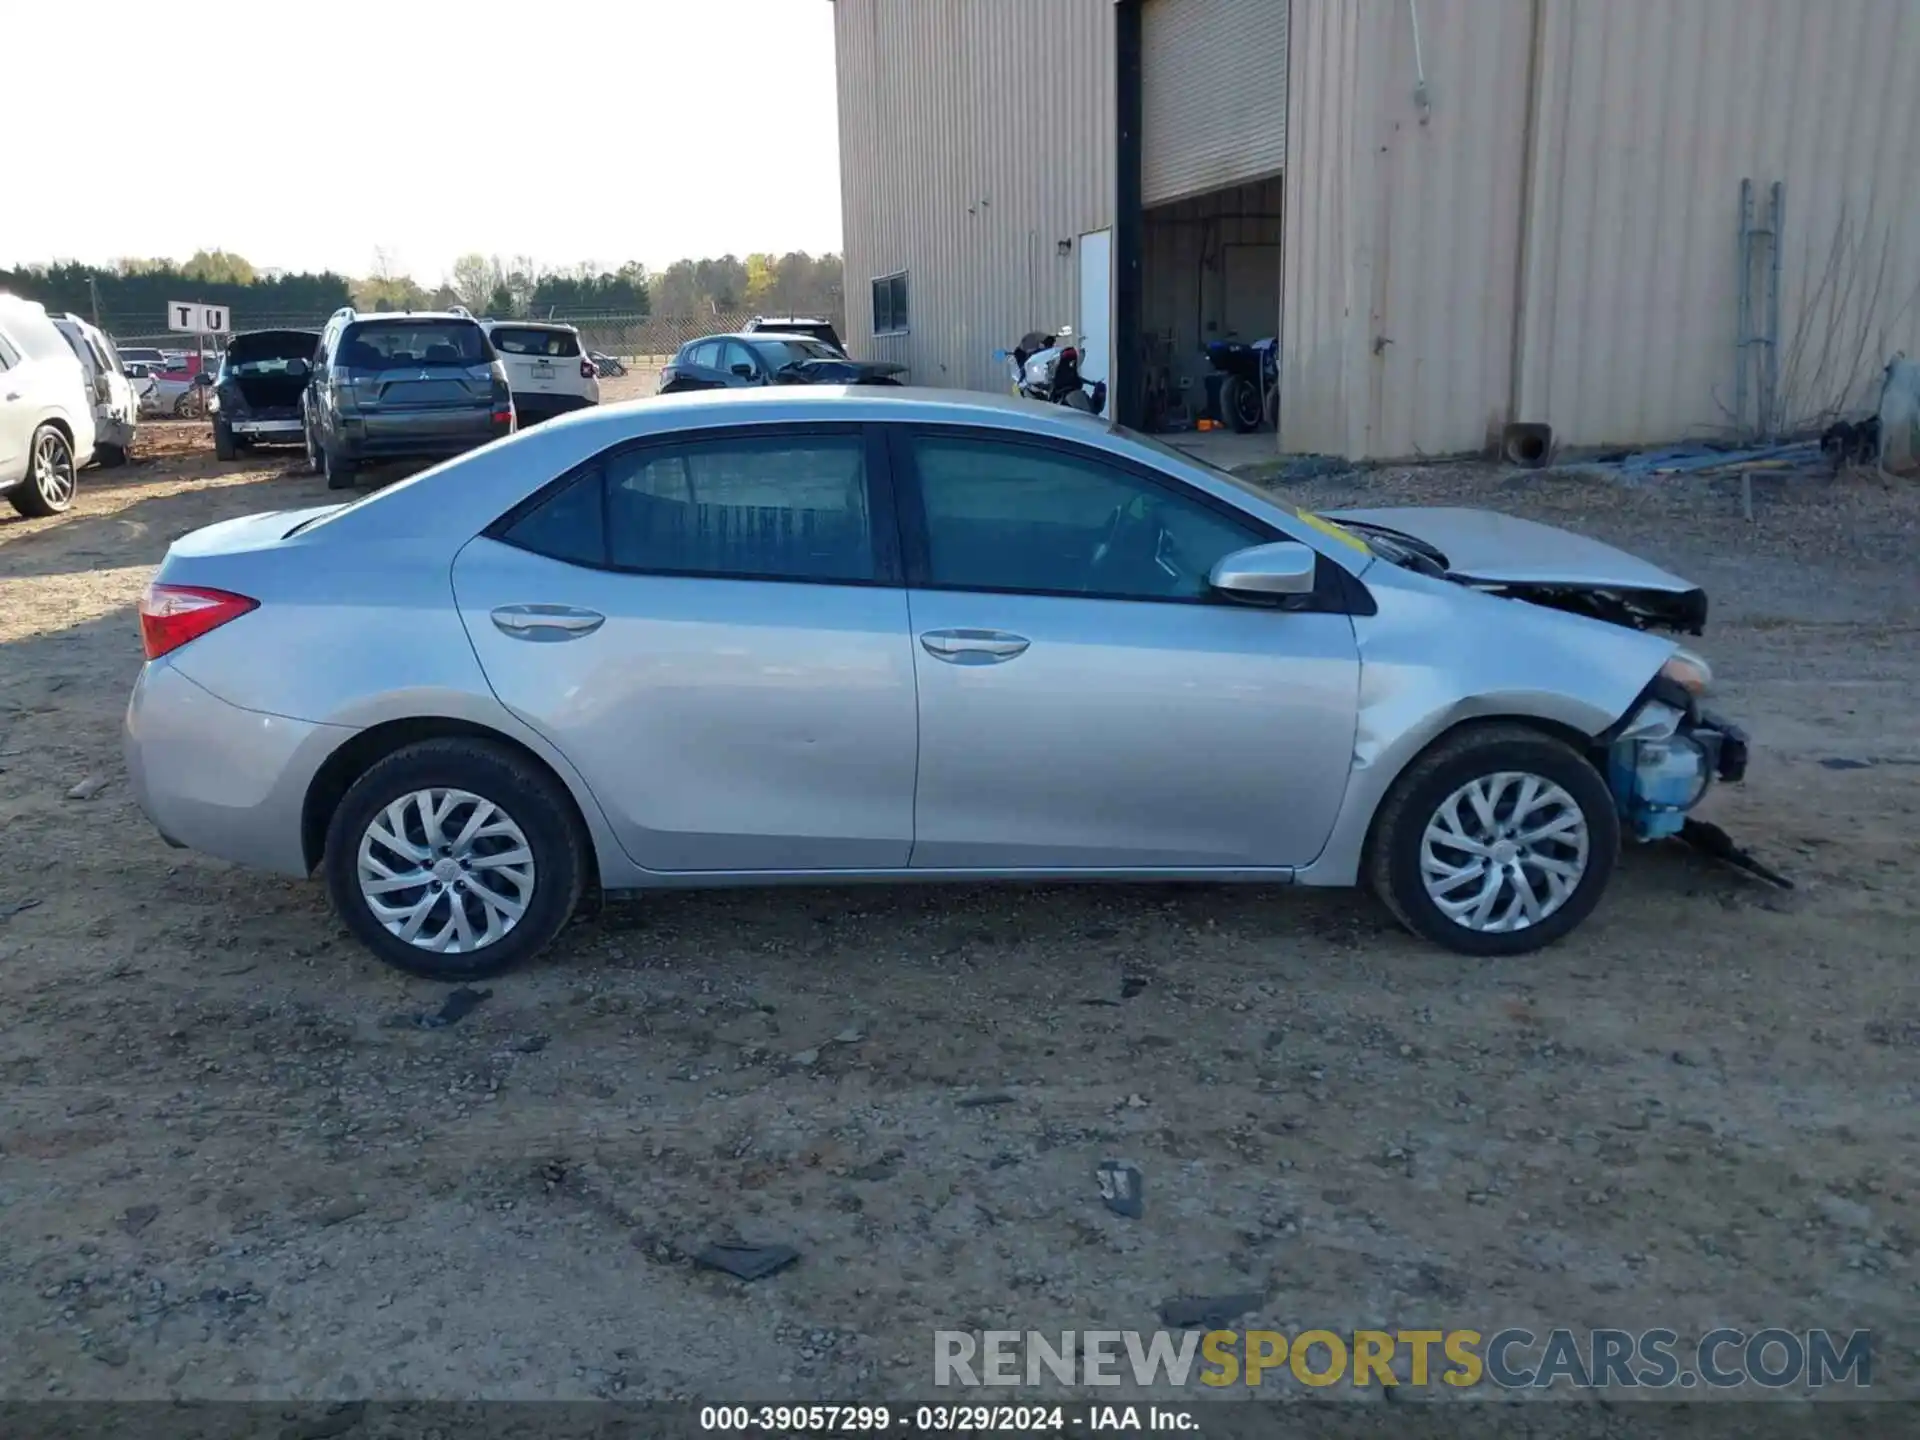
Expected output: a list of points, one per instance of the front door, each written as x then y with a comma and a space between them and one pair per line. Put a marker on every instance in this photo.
1085, 701
708, 630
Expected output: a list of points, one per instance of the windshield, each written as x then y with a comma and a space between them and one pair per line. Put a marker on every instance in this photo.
1260, 492
776, 353
392, 344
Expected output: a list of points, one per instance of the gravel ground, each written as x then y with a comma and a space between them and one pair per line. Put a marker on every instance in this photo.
232, 1167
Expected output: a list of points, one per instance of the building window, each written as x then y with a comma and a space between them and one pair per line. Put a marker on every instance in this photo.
890, 304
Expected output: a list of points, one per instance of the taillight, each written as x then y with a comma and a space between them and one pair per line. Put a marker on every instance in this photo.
1070, 355
171, 615
587, 370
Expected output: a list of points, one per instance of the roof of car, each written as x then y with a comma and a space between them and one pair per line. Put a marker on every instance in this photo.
363, 317
748, 336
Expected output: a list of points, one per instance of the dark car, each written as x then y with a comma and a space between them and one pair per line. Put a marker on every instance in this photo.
717, 362
821, 330
257, 389
402, 386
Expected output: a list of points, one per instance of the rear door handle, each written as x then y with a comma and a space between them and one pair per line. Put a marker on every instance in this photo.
546, 622
973, 647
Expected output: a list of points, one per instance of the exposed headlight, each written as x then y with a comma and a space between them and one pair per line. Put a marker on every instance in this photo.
1689, 671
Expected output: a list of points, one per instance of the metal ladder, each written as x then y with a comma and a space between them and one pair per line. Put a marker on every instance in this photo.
1757, 351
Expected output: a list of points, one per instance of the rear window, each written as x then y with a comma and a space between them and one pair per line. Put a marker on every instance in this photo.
528, 341
387, 344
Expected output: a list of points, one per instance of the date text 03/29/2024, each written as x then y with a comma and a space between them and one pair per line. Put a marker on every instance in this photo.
943, 1419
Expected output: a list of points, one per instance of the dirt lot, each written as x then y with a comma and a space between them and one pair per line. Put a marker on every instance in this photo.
231, 1166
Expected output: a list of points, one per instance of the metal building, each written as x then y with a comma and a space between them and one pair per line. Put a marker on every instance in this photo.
1454, 214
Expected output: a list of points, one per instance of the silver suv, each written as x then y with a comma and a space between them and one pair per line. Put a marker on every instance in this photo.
401, 386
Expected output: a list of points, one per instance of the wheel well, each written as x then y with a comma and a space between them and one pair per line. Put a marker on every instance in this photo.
65, 429
374, 744
1581, 744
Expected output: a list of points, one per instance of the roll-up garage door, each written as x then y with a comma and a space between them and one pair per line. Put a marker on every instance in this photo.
1214, 73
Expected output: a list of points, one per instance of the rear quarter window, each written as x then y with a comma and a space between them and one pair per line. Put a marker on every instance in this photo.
557, 344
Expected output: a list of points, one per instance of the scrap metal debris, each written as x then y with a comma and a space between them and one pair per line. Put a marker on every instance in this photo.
1710, 840
457, 1006
14, 907
1122, 1188
1208, 1312
746, 1262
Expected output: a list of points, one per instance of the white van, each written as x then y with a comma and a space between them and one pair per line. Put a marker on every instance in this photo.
548, 369
46, 411
116, 404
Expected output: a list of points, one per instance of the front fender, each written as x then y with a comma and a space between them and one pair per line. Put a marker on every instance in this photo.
1438, 655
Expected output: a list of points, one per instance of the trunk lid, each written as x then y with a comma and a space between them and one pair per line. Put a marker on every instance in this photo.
539, 359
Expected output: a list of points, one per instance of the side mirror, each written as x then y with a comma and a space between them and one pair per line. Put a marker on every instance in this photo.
1261, 572
745, 372
298, 369
203, 377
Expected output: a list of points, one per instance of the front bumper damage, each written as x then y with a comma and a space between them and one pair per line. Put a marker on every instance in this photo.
1662, 762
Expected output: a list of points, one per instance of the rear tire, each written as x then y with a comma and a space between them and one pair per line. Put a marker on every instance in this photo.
1242, 401
52, 477
339, 473
1413, 814
526, 800
223, 445
1077, 400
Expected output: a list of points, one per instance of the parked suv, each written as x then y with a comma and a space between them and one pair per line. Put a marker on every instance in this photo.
258, 388
547, 368
46, 411
396, 386
116, 402
821, 330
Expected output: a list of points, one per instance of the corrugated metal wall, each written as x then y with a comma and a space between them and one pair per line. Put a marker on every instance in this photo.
974, 136
1214, 94
1557, 241
1650, 114
1402, 237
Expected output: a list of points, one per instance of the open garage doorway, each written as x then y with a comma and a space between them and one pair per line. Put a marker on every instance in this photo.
1210, 277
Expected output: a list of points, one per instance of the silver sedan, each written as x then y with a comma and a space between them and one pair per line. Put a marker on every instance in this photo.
827, 636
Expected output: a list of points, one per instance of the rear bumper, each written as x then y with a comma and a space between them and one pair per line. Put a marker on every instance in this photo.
213, 777
267, 429
398, 441
533, 407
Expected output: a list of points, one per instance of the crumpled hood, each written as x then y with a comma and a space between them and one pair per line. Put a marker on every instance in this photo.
1491, 548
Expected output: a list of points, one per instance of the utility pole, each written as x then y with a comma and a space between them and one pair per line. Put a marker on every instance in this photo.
93, 289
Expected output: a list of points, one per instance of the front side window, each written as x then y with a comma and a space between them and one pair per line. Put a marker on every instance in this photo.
890, 304
1002, 515
769, 507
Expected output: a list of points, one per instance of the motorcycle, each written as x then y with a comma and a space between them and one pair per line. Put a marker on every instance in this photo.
1252, 383
1044, 369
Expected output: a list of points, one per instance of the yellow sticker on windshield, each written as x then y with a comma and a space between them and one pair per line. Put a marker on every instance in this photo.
1337, 532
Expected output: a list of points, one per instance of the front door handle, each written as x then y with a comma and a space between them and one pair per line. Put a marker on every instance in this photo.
546, 622
973, 647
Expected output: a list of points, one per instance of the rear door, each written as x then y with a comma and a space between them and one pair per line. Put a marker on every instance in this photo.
713, 630
418, 377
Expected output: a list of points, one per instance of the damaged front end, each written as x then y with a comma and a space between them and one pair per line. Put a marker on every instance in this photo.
1666, 756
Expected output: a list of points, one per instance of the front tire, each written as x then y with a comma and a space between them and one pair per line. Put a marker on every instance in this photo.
455, 859
1498, 841
51, 476
107, 457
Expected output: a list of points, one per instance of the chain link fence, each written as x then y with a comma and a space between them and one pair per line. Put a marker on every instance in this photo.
644, 339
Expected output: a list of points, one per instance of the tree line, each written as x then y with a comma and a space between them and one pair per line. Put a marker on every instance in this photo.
130, 296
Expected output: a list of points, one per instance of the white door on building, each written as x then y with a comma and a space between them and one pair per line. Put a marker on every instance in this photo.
1095, 334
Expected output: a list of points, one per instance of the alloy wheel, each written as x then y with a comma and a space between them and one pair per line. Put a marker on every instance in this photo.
53, 474
1504, 851
445, 870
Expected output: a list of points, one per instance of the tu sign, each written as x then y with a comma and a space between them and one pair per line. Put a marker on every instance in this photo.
192, 318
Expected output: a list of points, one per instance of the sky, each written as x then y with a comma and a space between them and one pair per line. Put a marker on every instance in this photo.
305, 136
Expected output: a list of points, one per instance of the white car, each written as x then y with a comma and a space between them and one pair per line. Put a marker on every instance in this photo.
46, 411
116, 401
548, 369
